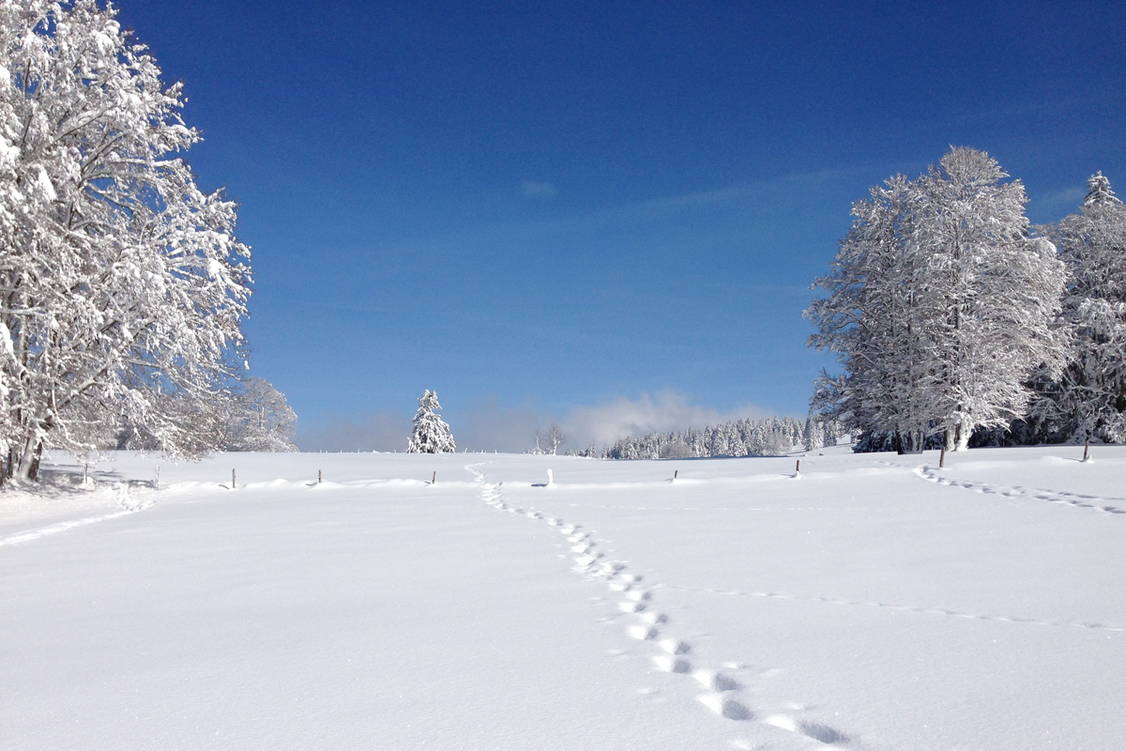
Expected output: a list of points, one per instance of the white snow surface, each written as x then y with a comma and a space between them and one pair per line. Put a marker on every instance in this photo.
872, 602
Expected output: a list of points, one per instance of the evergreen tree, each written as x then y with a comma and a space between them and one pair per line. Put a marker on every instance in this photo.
430, 434
1089, 399
1099, 192
813, 436
761, 437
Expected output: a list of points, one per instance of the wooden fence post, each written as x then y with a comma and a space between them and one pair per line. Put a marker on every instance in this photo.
942, 458
1086, 449
232, 478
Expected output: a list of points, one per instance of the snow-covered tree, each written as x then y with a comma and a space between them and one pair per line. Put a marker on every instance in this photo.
549, 440
258, 418
940, 305
1099, 192
1089, 399
813, 436
767, 436
868, 317
430, 434
998, 290
676, 448
832, 433
121, 283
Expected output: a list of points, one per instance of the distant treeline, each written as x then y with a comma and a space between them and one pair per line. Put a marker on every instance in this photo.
766, 436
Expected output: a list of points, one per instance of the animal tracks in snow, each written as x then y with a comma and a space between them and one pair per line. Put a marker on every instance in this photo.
635, 601
1078, 500
814, 730
1089, 625
698, 509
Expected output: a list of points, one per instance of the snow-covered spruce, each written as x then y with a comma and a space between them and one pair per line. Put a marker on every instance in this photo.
123, 282
1088, 400
941, 305
813, 436
431, 434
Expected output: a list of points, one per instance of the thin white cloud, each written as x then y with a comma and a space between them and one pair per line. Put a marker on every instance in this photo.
538, 188
624, 215
1064, 198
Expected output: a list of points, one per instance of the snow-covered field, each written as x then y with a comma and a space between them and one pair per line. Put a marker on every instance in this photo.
870, 603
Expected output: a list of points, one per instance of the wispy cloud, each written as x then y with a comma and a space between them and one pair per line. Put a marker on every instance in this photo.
538, 188
625, 215
748, 191
1059, 202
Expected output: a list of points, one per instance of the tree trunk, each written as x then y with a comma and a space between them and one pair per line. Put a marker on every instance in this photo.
965, 430
909, 441
36, 459
22, 470
26, 467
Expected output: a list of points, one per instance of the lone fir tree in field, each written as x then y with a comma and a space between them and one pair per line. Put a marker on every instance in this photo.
431, 434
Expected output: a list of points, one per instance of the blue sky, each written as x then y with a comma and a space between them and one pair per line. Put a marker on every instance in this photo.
544, 210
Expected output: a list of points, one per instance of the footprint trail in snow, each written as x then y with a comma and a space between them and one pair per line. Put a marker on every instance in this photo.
1077, 500
721, 693
900, 608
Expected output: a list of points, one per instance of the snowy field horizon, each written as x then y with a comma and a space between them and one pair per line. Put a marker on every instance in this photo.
873, 601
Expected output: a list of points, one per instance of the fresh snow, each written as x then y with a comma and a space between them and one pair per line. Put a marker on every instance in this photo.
874, 602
